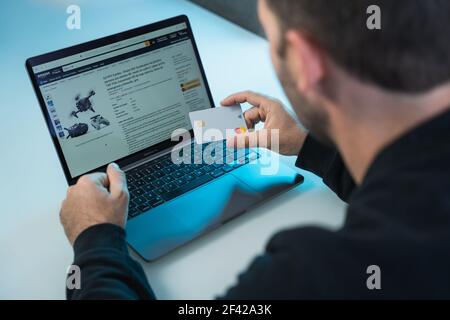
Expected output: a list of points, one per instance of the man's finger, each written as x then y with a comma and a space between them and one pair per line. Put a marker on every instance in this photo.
253, 116
117, 180
254, 99
253, 139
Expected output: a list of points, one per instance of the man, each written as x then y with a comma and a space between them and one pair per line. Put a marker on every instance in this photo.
377, 104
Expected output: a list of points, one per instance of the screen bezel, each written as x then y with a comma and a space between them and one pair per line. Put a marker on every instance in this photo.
44, 58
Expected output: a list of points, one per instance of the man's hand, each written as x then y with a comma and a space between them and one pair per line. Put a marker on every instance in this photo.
95, 199
274, 116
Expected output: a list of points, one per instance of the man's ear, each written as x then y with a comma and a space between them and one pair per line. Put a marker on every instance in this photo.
305, 59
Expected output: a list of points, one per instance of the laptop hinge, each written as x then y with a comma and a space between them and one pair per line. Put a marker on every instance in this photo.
156, 155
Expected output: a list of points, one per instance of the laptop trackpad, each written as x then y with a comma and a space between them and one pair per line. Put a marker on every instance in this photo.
188, 216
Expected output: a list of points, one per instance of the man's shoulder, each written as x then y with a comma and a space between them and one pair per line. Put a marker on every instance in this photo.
411, 262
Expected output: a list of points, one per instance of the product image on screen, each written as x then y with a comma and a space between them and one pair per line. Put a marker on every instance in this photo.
115, 100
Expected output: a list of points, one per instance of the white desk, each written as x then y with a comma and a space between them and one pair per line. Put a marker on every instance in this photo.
33, 249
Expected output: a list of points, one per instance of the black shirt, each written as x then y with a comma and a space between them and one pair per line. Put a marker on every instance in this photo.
398, 219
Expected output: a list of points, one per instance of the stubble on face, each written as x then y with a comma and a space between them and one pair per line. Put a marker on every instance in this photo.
312, 117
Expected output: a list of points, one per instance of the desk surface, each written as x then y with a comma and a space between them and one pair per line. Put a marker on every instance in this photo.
34, 251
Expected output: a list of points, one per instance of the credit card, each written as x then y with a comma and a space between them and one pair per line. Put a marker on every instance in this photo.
214, 124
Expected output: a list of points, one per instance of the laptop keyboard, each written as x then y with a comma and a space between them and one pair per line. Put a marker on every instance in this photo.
161, 180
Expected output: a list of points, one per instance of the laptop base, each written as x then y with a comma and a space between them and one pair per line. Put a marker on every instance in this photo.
177, 222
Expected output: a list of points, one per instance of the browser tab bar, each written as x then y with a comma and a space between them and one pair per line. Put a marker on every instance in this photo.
108, 48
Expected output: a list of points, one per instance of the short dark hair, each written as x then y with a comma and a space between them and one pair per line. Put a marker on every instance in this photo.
411, 52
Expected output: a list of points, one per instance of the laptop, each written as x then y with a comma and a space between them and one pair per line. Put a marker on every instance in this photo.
120, 99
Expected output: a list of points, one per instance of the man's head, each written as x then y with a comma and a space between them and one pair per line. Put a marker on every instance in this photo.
313, 41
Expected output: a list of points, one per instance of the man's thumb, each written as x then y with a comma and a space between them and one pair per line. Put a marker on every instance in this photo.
117, 179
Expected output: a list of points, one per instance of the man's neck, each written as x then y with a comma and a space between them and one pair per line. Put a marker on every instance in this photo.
370, 125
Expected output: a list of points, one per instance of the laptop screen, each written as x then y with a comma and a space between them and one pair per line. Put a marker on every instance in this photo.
111, 101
